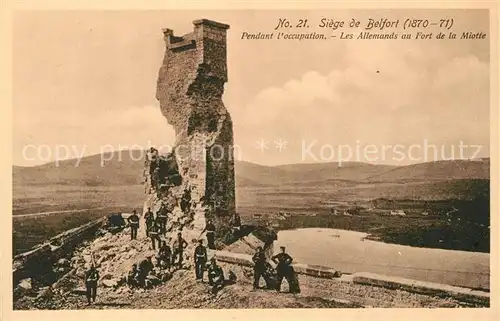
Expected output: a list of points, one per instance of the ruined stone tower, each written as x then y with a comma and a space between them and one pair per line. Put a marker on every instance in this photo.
195, 181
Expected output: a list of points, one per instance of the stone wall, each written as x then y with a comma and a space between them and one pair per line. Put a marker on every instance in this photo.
196, 179
40, 260
390, 282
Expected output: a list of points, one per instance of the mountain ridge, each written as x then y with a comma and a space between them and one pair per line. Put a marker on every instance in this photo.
93, 171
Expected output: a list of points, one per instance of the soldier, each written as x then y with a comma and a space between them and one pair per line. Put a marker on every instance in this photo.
200, 260
152, 279
259, 268
91, 278
236, 223
215, 276
210, 228
145, 267
165, 255
154, 234
161, 218
285, 270
179, 245
186, 201
133, 221
133, 276
149, 219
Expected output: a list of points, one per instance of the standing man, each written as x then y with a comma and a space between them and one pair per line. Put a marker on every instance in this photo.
165, 255
154, 234
179, 245
91, 278
283, 268
161, 217
200, 259
133, 221
210, 229
259, 268
236, 223
149, 219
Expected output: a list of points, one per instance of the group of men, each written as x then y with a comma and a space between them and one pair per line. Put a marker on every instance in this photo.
284, 270
216, 277
146, 274
262, 269
155, 226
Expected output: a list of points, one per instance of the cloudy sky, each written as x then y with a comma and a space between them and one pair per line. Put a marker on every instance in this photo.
87, 79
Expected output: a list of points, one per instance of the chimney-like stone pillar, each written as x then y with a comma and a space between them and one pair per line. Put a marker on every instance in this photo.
197, 180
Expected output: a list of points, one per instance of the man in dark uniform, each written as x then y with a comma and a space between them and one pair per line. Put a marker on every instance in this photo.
154, 234
149, 219
210, 228
165, 255
200, 260
179, 245
259, 268
161, 218
236, 223
91, 278
145, 267
155, 178
215, 276
133, 221
133, 276
285, 270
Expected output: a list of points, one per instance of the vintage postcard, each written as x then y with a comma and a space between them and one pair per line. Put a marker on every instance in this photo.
325, 159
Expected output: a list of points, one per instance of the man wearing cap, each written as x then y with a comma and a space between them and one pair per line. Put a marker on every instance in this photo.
164, 255
149, 219
283, 268
259, 268
179, 245
144, 268
133, 276
91, 278
210, 228
154, 234
215, 276
133, 221
161, 218
236, 223
200, 260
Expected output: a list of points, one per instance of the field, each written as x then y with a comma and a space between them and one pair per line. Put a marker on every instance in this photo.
90, 202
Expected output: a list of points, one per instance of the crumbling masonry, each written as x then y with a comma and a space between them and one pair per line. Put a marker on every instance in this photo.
195, 181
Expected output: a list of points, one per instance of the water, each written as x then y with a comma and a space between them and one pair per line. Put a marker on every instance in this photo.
349, 253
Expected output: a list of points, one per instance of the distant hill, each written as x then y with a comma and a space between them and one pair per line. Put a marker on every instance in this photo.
123, 170
440, 170
127, 170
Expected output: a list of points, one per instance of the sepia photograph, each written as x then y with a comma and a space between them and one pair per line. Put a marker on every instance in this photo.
251, 159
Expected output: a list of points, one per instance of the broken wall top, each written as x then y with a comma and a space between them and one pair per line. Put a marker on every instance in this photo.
208, 39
